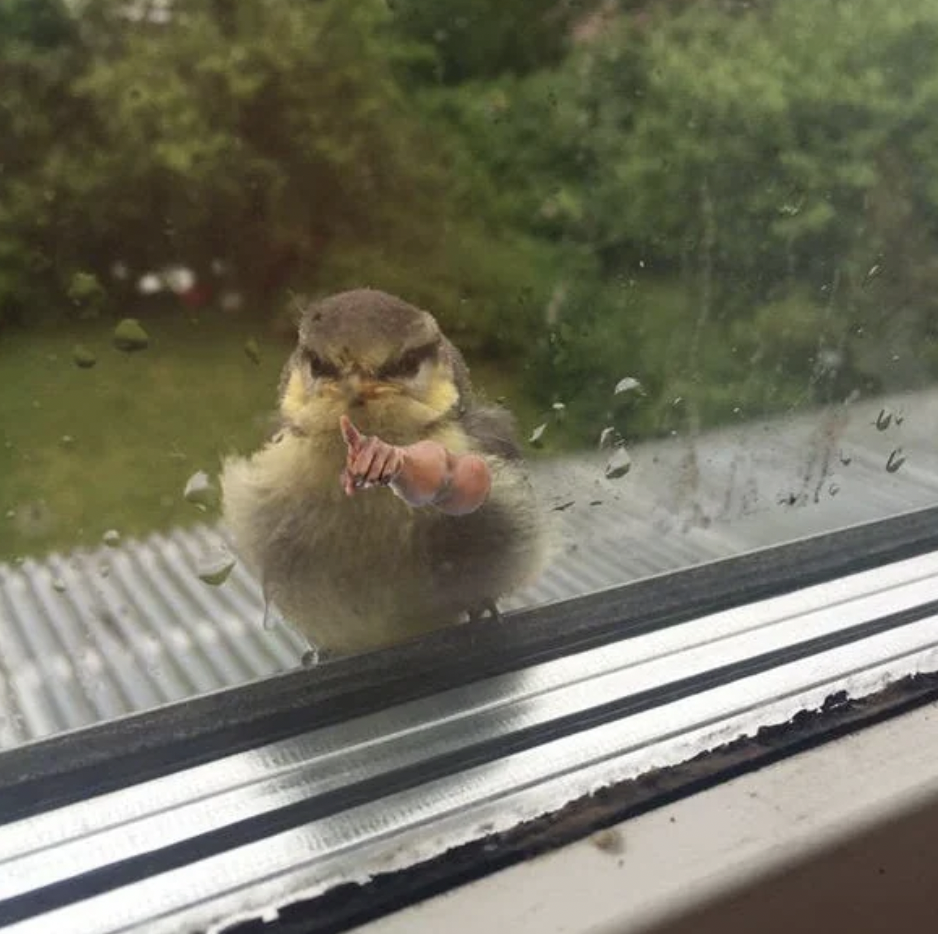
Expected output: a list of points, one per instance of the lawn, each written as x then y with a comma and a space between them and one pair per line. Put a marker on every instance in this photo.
84, 451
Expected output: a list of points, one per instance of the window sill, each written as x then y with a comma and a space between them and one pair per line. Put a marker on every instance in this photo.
834, 839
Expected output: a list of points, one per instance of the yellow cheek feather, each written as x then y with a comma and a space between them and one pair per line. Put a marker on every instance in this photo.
389, 409
441, 394
313, 414
294, 398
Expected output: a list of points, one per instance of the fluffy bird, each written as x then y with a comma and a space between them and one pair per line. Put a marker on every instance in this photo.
391, 501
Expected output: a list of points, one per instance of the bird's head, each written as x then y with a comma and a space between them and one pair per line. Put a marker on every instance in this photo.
375, 358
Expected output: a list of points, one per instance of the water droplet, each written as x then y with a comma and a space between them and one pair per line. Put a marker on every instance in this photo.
130, 336
563, 506
895, 461
845, 459
67, 441
252, 350
111, 538
607, 437
272, 616
216, 569
83, 357
200, 491
537, 434
883, 420
626, 384
104, 570
58, 585
618, 465
310, 658
558, 406
833, 489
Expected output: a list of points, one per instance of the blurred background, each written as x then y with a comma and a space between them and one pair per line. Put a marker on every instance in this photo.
729, 206
690, 243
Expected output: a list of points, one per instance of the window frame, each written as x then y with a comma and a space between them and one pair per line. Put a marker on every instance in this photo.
79, 765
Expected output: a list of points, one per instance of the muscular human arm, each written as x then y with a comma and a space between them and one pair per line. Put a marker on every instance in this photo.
422, 474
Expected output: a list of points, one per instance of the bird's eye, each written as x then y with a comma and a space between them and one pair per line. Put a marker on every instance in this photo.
320, 368
407, 365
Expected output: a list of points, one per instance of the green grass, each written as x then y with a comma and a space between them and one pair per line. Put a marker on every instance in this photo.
141, 423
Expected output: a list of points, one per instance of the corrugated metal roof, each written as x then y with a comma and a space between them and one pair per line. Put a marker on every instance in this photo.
101, 633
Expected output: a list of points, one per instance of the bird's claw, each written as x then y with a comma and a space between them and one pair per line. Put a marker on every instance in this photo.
313, 657
478, 611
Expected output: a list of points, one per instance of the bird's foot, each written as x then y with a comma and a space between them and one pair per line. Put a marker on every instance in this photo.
477, 613
313, 657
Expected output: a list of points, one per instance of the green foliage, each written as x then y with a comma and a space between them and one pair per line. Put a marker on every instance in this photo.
478, 39
765, 159
487, 291
716, 198
253, 132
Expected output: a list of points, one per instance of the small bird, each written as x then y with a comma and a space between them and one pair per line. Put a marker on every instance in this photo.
391, 501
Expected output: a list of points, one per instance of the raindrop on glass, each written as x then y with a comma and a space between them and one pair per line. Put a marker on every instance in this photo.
83, 357
272, 617
607, 437
215, 570
252, 350
58, 585
626, 384
895, 461
618, 465
200, 491
537, 434
111, 538
130, 336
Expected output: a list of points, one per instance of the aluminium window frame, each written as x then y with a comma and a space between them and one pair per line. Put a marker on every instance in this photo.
79, 765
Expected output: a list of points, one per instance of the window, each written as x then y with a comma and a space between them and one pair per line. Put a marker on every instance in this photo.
689, 246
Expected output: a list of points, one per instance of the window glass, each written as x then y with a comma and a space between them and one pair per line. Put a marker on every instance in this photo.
690, 246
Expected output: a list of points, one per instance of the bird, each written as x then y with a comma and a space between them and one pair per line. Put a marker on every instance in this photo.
392, 500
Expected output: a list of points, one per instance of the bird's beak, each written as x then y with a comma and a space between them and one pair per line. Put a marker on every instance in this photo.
360, 389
